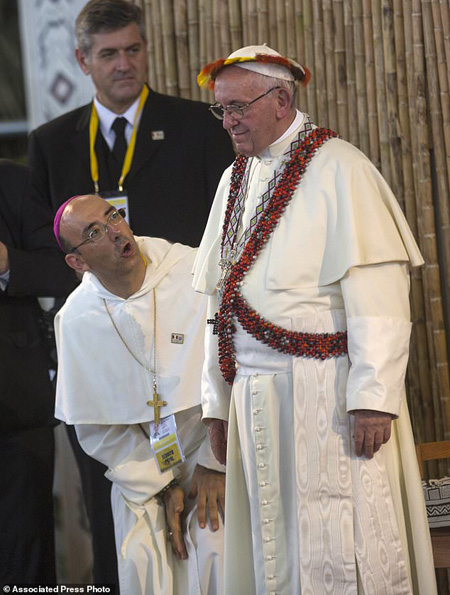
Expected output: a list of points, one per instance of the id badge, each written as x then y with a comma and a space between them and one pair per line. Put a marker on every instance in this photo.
118, 200
165, 444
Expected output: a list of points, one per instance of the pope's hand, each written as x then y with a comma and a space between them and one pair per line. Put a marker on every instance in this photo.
208, 487
174, 504
372, 430
218, 432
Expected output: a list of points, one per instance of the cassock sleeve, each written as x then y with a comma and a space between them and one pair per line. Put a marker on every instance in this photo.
215, 391
125, 450
378, 322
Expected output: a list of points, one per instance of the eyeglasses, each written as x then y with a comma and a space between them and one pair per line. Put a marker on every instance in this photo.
235, 110
97, 232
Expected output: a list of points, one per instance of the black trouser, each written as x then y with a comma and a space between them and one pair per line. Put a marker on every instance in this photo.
27, 541
97, 498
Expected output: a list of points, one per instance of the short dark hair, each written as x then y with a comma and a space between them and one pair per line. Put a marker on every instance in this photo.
104, 16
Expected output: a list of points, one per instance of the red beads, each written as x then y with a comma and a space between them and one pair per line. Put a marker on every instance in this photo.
321, 346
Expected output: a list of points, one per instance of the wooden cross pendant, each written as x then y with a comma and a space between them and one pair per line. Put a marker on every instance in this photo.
215, 322
156, 404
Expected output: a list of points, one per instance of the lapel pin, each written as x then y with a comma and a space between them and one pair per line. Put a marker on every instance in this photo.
177, 338
157, 134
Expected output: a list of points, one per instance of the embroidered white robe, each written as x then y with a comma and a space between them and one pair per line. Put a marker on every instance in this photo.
317, 518
104, 391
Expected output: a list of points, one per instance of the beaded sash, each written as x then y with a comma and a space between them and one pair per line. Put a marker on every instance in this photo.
321, 346
230, 238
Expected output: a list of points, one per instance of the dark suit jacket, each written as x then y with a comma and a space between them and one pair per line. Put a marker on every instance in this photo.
172, 182
37, 268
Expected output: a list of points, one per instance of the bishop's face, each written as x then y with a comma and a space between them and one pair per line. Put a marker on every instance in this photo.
115, 255
260, 124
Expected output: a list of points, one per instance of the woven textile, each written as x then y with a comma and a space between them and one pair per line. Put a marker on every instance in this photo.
437, 501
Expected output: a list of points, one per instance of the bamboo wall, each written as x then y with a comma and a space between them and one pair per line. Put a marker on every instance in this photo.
381, 80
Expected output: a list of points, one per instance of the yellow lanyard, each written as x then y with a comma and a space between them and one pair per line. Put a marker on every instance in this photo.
93, 128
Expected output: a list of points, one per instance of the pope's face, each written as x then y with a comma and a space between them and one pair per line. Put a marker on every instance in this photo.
259, 127
117, 64
114, 255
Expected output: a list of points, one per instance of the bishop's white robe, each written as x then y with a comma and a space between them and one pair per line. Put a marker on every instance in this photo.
304, 514
104, 391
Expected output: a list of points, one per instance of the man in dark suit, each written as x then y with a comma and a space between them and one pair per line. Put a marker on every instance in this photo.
166, 178
180, 151
30, 266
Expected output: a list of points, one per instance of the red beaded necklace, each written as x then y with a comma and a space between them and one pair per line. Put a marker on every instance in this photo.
232, 302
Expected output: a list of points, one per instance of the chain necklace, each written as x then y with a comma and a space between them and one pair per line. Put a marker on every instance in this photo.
155, 403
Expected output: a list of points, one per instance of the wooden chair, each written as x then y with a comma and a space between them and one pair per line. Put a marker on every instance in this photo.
440, 536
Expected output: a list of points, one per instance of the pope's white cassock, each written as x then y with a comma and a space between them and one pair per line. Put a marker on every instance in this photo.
303, 511
104, 391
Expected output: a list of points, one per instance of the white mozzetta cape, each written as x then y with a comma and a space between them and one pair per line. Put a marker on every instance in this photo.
118, 392
336, 213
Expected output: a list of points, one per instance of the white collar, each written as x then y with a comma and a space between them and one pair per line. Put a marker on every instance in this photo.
106, 116
277, 148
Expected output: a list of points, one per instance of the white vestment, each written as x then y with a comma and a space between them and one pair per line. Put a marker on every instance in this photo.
304, 514
104, 391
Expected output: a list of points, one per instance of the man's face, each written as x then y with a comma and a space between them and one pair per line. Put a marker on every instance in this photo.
260, 125
117, 64
114, 255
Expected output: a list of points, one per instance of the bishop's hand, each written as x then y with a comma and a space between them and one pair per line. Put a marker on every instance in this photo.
173, 500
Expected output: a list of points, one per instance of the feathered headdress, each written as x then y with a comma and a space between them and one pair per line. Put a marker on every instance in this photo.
261, 59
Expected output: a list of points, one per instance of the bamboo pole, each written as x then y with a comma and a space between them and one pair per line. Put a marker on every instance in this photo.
263, 21
340, 67
170, 61
252, 22
391, 99
445, 16
182, 48
304, 20
291, 47
374, 146
330, 74
402, 116
380, 89
352, 108
216, 26
151, 59
235, 25
360, 77
280, 45
195, 63
443, 71
272, 25
158, 46
203, 53
322, 113
245, 23
209, 32
225, 36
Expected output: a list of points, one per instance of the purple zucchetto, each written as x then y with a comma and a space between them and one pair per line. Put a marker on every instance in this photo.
57, 219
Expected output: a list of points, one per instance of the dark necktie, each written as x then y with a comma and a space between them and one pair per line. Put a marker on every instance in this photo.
120, 144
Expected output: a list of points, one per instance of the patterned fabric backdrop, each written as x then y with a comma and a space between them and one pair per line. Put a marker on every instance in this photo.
54, 81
